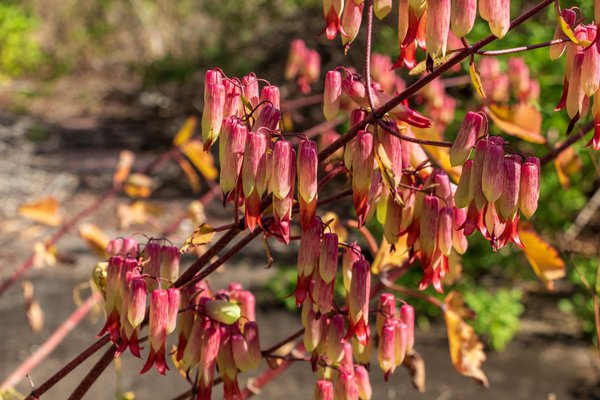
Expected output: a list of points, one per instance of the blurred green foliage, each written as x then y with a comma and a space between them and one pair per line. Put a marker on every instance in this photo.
19, 51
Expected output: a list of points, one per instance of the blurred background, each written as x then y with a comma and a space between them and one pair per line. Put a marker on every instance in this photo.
81, 80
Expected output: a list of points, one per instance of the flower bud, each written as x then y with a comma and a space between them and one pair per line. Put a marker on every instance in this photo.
590, 70
351, 20
233, 100
322, 293
211, 77
295, 58
270, 95
136, 306
247, 304
382, 8
252, 338
529, 191
114, 247
223, 311
492, 176
328, 258
307, 169
345, 386
254, 164
309, 248
497, 13
363, 382
159, 309
225, 360
386, 309
470, 129
358, 300
324, 388
575, 93
173, 308
362, 353
461, 195
169, 268
462, 16
350, 255
212, 114
332, 94
475, 184
250, 89
284, 159
314, 329
445, 228
429, 225
407, 316
268, 118
508, 203
231, 151
400, 346
211, 339
438, 25
392, 227
334, 348
459, 240
386, 351
362, 172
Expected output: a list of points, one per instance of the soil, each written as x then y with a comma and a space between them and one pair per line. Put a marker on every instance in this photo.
74, 162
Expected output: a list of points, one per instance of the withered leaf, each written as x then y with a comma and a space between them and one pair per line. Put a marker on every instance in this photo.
33, 311
186, 131
95, 239
201, 159
466, 350
521, 120
126, 160
201, 236
138, 185
543, 258
415, 365
45, 211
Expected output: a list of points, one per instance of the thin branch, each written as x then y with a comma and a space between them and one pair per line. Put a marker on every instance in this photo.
50, 344
413, 293
283, 342
290, 105
522, 48
369, 41
94, 374
426, 142
64, 371
371, 242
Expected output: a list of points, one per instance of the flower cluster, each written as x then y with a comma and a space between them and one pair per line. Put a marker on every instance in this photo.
303, 64
428, 24
213, 329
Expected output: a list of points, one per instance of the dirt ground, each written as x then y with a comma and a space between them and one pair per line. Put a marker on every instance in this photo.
547, 360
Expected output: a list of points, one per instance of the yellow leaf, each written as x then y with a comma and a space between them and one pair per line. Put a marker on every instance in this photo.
476, 79
386, 259
43, 255
201, 236
138, 185
566, 163
416, 367
95, 239
45, 211
186, 131
521, 120
191, 174
441, 155
422, 66
466, 351
202, 160
542, 257
126, 160
336, 226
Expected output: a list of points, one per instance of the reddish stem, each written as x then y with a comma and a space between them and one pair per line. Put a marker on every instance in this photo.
94, 374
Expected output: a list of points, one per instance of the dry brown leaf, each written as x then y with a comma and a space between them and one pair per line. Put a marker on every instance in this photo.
137, 213
543, 258
43, 255
201, 236
466, 350
45, 211
126, 160
202, 160
138, 185
33, 311
186, 131
416, 367
521, 120
95, 239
